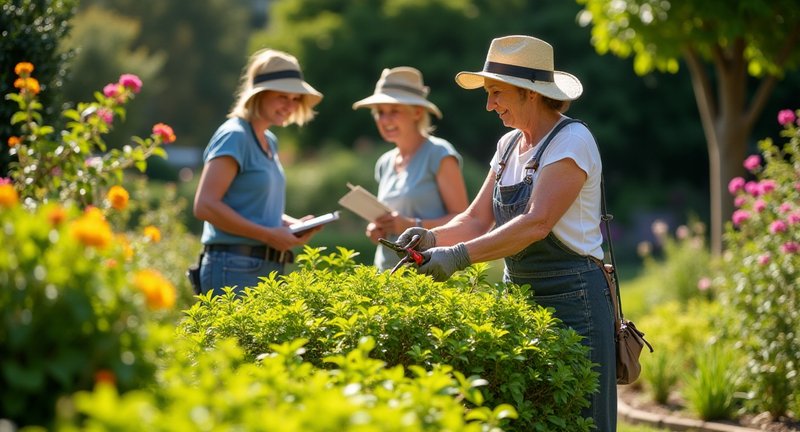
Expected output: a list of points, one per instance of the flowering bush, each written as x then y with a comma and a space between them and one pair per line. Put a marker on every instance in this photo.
762, 266
75, 164
75, 308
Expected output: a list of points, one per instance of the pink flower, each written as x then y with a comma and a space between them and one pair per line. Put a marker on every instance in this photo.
131, 81
778, 226
785, 117
759, 205
767, 186
5, 181
764, 259
793, 218
740, 216
739, 201
785, 208
790, 247
165, 132
106, 115
735, 185
752, 162
752, 188
704, 284
111, 90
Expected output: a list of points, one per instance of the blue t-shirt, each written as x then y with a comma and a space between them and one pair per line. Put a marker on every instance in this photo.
258, 192
413, 192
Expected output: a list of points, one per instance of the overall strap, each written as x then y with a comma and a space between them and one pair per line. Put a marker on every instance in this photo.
502, 162
533, 163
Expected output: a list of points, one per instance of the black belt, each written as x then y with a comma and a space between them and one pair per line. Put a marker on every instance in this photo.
262, 252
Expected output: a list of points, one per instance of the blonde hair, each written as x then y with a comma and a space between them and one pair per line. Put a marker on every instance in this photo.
424, 125
248, 98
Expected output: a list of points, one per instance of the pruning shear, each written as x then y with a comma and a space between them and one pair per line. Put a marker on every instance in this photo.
412, 255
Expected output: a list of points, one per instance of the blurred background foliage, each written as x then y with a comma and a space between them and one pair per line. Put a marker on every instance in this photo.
190, 55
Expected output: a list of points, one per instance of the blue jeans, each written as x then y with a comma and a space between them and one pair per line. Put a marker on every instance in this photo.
581, 299
225, 269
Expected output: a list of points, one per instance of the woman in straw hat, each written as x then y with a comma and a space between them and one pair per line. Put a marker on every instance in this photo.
420, 178
242, 191
539, 207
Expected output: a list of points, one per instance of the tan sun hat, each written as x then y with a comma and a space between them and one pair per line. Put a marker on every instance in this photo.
400, 85
526, 62
279, 71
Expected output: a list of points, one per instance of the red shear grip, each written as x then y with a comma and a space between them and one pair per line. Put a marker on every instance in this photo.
416, 256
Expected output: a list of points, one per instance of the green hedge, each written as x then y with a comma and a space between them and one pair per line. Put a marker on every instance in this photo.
479, 329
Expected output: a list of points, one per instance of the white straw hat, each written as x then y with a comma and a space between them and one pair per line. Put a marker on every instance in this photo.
400, 85
526, 62
279, 71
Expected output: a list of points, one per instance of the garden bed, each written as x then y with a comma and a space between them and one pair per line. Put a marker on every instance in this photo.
669, 415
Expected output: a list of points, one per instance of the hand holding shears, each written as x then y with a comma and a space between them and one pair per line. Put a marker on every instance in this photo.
411, 254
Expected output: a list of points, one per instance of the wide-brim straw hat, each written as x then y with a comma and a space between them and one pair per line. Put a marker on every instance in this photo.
526, 62
281, 72
400, 85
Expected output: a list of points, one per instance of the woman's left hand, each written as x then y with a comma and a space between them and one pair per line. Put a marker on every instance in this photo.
442, 262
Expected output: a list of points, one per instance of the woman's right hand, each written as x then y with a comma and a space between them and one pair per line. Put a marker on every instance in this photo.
427, 239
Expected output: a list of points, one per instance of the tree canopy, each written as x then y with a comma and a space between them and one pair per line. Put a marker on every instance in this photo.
721, 43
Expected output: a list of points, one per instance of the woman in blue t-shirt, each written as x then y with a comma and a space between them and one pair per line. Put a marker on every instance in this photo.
420, 179
242, 191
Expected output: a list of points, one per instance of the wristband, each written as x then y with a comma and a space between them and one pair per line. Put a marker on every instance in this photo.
418, 222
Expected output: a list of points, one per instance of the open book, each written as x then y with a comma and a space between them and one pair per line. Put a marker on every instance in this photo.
361, 202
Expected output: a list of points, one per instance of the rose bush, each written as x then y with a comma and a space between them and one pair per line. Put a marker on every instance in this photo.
75, 164
762, 271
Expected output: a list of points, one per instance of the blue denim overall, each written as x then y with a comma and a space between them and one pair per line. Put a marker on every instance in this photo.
573, 285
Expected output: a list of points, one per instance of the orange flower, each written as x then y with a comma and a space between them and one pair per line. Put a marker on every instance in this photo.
56, 215
23, 68
105, 376
158, 291
152, 233
8, 195
118, 197
91, 229
27, 84
14, 141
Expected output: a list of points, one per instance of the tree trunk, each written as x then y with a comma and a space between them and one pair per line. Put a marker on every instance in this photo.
726, 124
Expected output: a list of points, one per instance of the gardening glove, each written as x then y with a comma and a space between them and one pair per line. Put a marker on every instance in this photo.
441, 262
427, 239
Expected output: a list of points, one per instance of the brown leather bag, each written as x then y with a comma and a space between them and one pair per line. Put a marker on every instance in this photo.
628, 339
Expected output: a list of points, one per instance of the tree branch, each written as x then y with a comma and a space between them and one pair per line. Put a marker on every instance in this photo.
702, 86
766, 86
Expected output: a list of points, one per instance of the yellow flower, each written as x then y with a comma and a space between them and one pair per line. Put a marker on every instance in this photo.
118, 197
91, 229
8, 195
152, 233
23, 68
14, 141
158, 291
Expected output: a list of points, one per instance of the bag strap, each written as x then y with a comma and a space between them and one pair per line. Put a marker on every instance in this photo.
606, 218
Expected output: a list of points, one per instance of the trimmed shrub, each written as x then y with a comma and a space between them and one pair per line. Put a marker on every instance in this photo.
221, 389
481, 330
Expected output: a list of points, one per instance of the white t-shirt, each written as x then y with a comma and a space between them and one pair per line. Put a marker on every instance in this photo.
579, 228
